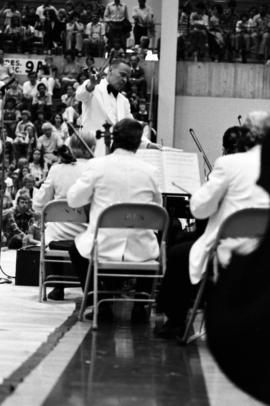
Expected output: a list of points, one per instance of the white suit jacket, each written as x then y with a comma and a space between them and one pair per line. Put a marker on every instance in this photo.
116, 178
231, 187
96, 110
55, 187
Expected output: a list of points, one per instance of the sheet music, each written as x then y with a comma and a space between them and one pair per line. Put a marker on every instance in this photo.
174, 165
153, 157
181, 168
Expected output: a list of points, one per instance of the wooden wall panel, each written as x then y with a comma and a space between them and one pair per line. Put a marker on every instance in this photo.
211, 79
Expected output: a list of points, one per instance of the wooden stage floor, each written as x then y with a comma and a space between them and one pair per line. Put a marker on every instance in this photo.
47, 358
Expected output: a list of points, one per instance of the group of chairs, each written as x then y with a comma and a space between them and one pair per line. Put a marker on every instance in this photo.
250, 223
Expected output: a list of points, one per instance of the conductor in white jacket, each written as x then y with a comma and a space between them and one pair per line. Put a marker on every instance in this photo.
115, 178
102, 102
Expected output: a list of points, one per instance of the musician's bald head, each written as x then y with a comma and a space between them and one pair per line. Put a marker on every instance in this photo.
119, 73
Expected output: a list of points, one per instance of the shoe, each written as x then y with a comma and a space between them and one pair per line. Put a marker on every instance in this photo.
169, 330
139, 313
57, 294
105, 314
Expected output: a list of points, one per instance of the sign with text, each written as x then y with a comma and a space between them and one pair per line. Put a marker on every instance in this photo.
23, 66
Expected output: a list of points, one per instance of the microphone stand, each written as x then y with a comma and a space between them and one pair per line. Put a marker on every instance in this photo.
7, 278
200, 148
107, 135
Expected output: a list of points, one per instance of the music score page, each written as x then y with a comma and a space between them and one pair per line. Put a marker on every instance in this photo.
174, 166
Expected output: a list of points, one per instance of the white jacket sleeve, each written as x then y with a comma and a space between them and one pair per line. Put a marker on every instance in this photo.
82, 93
45, 193
205, 202
80, 194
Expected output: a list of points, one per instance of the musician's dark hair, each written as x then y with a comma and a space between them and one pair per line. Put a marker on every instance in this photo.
230, 140
127, 134
65, 155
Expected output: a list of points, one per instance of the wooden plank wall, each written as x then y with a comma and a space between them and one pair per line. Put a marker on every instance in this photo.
210, 79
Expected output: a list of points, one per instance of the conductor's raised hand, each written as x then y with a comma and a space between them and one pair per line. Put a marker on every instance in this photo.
94, 80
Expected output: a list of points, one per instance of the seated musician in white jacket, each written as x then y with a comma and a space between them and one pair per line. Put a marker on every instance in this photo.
231, 187
60, 177
115, 178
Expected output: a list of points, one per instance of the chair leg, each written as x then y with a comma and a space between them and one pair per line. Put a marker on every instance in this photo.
41, 281
194, 310
44, 299
95, 298
86, 289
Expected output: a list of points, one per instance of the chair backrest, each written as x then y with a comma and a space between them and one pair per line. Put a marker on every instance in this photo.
134, 215
59, 211
251, 222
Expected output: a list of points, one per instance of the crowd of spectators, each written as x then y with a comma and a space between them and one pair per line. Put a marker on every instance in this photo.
209, 31
83, 27
37, 118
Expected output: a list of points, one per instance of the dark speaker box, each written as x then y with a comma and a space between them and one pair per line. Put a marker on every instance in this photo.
27, 267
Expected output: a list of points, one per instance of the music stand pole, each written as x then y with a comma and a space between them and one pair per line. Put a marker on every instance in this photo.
2, 185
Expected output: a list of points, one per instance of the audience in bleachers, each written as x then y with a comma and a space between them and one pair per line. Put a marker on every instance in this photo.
229, 33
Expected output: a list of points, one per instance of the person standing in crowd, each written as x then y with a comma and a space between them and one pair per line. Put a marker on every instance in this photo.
60, 178
5, 70
144, 21
40, 11
231, 186
117, 177
103, 101
118, 25
94, 38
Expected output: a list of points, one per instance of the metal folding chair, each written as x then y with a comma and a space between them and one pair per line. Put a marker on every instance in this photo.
245, 223
127, 216
57, 211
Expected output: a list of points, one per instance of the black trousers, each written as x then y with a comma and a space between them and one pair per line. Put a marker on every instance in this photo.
177, 292
79, 264
80, 267
138, 32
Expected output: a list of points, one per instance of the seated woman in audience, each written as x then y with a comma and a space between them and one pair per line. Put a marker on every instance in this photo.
70, 69
25, 121
60, 126
11, 116
37, 167
19, 173
60, 177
